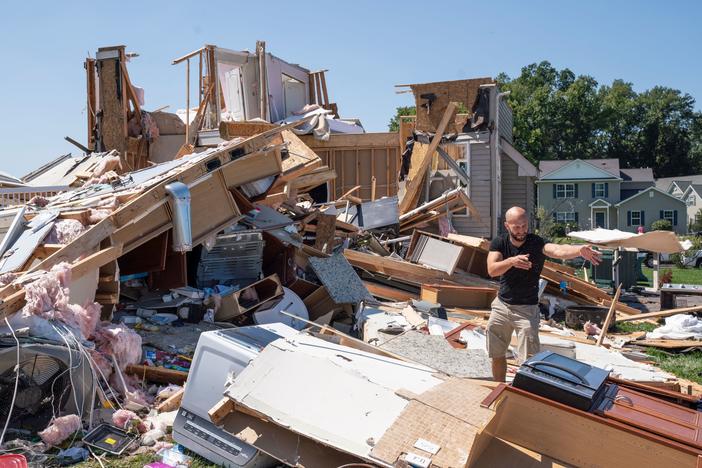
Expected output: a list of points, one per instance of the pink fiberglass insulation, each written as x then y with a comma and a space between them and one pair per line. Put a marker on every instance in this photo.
65, 231
121, 342
48, 298
60, 429
102, 362
7, 278
591, 328
95, 216
133, 392
38, 200
124, 419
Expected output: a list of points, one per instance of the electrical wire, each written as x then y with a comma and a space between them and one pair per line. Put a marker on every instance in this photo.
70, 368
14, 394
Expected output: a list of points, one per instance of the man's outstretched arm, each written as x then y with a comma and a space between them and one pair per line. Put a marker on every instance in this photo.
566, 252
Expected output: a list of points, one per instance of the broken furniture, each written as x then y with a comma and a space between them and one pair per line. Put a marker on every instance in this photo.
249, 299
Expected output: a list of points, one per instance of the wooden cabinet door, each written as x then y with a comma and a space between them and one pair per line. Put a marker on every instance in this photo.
658, 416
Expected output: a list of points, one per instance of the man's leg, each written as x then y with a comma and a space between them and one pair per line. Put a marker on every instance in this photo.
527, 326
499, 369
499, 335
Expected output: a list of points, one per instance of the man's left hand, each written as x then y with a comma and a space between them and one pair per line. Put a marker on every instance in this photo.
593, 256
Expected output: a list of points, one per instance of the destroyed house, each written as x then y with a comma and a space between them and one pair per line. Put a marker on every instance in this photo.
479, 155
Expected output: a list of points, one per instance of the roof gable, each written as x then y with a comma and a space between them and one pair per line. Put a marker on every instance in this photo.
627, 200
579, 169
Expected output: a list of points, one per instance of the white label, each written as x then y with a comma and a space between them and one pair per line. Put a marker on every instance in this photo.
417, 460
427, 446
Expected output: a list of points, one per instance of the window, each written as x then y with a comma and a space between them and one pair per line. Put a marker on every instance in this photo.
691, 200
565, 190
668, 214
600, 191
565, 217
636, 218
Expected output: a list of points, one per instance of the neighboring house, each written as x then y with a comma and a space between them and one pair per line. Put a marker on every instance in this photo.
676, 186
499, 176
692, 196
597, 193
649, 206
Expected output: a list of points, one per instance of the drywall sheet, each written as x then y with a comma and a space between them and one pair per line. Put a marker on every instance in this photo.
349, 397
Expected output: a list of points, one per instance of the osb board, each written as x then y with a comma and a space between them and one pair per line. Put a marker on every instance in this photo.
462, 91
229, 130
113, 120
447, 395
419, 421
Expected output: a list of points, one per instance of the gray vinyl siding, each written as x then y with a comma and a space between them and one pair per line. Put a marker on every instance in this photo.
651, 206
479, 193
506, 121
516, 190
581, 204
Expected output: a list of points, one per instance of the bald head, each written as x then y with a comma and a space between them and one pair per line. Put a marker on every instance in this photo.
515, 214
517, 223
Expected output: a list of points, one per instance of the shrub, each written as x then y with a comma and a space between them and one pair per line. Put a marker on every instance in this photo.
662, 225
557, 230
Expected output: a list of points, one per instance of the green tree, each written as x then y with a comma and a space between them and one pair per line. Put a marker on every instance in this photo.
558, 115
662, 225
394, 124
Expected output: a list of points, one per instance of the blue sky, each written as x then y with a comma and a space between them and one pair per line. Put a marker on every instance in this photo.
368, 46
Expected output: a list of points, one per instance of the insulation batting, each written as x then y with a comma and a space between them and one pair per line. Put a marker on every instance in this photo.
121, 342
102, 362
124, 418
48, 296
65, 231
95, 216
60, 429
7, 278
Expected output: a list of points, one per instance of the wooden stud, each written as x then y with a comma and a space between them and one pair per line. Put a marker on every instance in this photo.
221, 410
610, 314
413, 187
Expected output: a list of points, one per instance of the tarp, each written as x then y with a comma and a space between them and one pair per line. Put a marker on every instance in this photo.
655, 241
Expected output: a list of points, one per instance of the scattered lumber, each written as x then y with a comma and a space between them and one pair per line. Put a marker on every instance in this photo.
660, 314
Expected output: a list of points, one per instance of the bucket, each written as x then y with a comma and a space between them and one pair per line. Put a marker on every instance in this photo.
576, 316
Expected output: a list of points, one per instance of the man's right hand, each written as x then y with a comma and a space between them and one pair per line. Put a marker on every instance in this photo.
521, 261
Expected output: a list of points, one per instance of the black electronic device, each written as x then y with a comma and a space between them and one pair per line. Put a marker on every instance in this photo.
562, 379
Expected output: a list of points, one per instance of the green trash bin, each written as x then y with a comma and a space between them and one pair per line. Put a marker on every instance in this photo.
629, 270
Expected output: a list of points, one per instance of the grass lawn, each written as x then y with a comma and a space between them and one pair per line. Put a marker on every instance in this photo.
683, 365
680, 275
138, 461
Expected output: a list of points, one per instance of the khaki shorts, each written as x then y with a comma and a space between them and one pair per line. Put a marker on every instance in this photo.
505, 319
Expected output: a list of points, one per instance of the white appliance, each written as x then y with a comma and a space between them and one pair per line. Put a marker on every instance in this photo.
218, 355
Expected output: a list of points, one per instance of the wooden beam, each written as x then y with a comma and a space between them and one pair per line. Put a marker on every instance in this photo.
95, 261
158, 374
661, 314
172, 402
388, 292
610, 315
221, 410
414, 186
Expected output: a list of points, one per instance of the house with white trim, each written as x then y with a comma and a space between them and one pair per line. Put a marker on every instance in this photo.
598, 193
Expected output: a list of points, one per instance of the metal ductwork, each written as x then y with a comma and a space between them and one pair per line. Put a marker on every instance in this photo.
182, 233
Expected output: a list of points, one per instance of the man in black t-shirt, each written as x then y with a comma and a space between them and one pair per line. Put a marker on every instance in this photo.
517, 257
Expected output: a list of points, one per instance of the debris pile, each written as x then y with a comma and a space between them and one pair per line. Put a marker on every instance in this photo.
244, 300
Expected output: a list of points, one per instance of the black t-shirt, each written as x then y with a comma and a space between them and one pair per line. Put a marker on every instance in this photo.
520, 286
